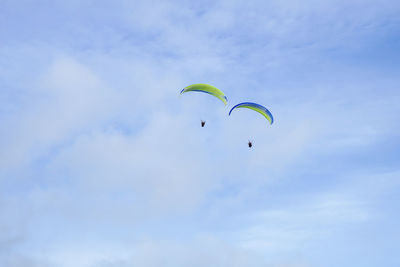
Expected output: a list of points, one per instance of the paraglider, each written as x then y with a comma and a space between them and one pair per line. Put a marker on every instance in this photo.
256, 107
206, 88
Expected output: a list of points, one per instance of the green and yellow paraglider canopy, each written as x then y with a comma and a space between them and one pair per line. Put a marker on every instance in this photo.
206, 88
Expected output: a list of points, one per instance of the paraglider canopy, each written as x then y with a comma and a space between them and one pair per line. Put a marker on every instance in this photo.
206, 88
256, 107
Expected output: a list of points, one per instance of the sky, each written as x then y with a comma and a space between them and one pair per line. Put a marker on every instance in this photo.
104, 164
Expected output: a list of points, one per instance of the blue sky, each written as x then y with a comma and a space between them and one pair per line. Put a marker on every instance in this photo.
104, 164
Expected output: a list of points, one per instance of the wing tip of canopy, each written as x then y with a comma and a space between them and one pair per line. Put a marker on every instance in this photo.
226, 100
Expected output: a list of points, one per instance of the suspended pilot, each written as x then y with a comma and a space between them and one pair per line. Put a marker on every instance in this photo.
203, 123
250, 144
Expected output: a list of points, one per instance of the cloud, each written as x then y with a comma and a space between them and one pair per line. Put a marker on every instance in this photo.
198, 251
103, 164
69, 99
153, 165
274, 230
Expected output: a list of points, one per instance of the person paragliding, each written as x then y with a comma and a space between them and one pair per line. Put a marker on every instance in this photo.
256, 107
250, 144
206, 88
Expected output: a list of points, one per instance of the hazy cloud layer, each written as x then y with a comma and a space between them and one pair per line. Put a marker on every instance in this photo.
103, 163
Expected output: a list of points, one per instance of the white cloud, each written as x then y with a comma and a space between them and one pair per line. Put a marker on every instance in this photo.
153, 165
67, 100
294, 228
111, 165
